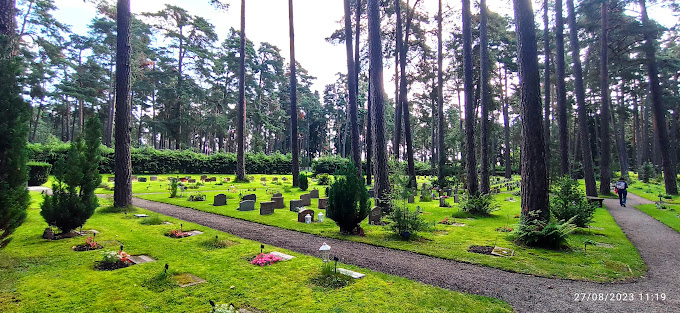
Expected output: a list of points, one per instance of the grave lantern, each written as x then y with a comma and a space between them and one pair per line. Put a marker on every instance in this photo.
325, 252
320, 217
308, 219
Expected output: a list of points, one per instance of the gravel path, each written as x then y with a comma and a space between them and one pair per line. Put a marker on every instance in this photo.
657, 243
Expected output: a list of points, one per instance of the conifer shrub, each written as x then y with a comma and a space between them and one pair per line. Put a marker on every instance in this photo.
303, 181
569, 203
73, 201
348, 200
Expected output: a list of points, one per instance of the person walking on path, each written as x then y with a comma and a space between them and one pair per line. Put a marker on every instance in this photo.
622, 190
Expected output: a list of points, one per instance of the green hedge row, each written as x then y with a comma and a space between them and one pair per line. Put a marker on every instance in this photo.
38, 173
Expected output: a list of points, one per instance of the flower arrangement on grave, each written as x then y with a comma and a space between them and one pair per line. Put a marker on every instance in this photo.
90, 244
197, 197
177, 233
112, 260
504, 229
263, 259
447, 221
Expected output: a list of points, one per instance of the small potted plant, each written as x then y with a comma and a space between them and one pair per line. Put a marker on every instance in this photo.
113, 260
90, 244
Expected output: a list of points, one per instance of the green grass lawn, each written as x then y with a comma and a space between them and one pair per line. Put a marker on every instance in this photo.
37, 275
669, 216
600, 263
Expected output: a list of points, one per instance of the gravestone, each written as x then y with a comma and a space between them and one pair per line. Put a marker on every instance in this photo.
111, 179
455, 198
192, 181
267, 207
227, 179
278, 194
251, 196
203, 177
411, 199
314, 193
284, 178
295, 204
263, 179
246, 205
303, 213
278, 203
251, 178
48, 234
323, 203
371, 193
275, 179
306, 199
142, 179
374, 218
153, 178
449, 192
442, 202
133, 177
220, 200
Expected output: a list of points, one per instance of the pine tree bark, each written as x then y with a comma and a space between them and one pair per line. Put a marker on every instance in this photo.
506, 127
533, 170
382, 182
397, 81
295, 151
584, 133
485, 185
605, 138
546, 84
403, 93
241, 130
658, 110
470, 157
122, 191
441, 152
352, 89
563, 130
369, 137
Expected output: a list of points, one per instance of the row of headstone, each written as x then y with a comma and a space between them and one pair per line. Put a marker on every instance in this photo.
112, 179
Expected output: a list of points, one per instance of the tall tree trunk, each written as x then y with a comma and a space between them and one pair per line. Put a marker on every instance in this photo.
352, 89
605, 158
658, 110
470, 158
591, 188
369, 137
622, 151
637, 134
241, 131
441, 152
397, 80
37, 120
295, 151
506, 127
645, 129
561, 90
485, 185
122, 192
546, 84
533, 170
382, 181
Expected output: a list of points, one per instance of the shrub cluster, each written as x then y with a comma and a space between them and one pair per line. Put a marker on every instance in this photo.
535, 232
303, 182
38, 172
480, 204
569, 203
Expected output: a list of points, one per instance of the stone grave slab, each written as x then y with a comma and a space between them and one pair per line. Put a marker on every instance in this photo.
220, 200
141, 259
111, 179
295, 204
246, 205
303, 213
275, 179
278, 203
204, 177
278, 194
133, 177
498, 251
251, 196
323, 203
349, 273
284, 178
314, 193
194, 233
141, 215
267, 207
192, 180
188, 280
153, 178
283, 256
142, 179
306, 199
227, 179
85, 232
263, 179
375, 217
371, 193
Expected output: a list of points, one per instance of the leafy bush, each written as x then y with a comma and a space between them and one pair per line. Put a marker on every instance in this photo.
323, 179
197, 197
329, 164
405, 222
535, 232
348, 203
480, 204
38, 172
174, 186
303, 181
74, 201
569, 203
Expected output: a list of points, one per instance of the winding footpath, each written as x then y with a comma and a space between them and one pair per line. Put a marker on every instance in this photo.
658, 245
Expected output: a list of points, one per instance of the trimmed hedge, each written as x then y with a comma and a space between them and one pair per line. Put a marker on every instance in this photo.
38, 172
151, 161
330, 164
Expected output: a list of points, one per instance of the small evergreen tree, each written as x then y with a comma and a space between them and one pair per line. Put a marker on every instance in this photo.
348, 203
14, 197
303, 181
569, 203
74, 201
